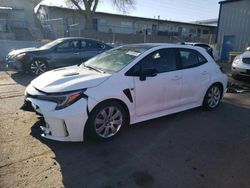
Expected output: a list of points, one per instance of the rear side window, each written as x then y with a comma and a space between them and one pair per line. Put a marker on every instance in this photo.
191, 58
163, 60
68, 46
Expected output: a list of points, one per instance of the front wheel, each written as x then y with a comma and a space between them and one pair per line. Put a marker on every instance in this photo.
213, 97
38, 67
106, 121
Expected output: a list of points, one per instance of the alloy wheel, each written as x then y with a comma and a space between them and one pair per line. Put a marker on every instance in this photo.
38, 67
108, 122
214, 96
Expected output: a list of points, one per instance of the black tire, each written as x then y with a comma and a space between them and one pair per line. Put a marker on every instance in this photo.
97, 118
38, 66
213, 97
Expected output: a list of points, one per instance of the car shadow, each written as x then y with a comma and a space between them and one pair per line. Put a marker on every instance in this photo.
242, 79
22, 78
164, 152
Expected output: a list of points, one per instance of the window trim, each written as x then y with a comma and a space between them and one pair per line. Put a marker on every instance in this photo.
197, 54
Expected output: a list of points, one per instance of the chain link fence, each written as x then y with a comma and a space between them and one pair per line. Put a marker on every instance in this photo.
57, 28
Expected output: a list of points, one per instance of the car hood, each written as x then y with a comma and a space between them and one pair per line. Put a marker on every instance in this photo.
245, 55
68, 79
23, 50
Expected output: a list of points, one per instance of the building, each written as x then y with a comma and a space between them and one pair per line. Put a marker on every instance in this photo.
60, 21
211, 22
18, 20
233, 27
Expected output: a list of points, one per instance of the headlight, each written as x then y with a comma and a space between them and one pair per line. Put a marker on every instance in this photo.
20, 56
63, 100
236, 61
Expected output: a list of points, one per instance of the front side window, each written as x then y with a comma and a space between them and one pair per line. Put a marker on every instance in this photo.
163, 60
191, 58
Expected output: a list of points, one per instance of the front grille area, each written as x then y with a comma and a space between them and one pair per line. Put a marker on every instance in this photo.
246, 73
246, 60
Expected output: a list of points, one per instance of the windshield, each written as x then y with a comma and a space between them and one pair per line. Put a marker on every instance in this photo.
51, 44
114, 60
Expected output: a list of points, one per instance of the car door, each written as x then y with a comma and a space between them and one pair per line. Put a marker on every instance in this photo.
90, 49
196, 75
162, 91
67, 53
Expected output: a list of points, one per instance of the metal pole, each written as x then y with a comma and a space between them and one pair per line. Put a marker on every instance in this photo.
62, 28
113, 37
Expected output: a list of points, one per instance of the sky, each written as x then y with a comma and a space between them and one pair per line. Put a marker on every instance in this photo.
175, 10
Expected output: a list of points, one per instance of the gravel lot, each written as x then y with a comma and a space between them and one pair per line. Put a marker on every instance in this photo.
192, 149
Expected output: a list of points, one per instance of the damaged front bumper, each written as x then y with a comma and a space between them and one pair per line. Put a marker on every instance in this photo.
62, 125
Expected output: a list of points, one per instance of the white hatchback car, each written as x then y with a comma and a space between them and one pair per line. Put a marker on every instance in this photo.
125, 85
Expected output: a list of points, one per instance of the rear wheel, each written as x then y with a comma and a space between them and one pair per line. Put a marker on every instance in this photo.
38, 67
213, 97
106, 120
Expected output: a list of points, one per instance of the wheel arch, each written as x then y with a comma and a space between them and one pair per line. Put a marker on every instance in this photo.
40, 58
214, 83
122, 103
220, 86
87, 130
34, 59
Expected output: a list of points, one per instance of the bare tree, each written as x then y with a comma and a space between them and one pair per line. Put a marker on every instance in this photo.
88, 8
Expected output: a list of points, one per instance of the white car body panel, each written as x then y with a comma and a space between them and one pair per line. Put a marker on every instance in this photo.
150, 94
68, 79
158, 96
74, 117
194, 83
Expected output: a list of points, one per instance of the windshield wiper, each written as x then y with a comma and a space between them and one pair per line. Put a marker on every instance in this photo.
93, 68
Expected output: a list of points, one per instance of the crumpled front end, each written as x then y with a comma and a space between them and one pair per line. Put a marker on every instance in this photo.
62, 125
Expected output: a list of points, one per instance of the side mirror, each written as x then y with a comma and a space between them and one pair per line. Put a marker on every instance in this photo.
151, 72
248, 48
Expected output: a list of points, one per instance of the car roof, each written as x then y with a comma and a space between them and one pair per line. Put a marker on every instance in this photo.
195, 43
82, 38
78, 38
153, 45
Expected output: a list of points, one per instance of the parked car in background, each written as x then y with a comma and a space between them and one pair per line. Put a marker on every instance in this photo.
208, 48
125, 85
58, 53
241, 64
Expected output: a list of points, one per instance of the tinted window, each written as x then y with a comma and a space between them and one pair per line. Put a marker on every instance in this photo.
163, 60
94, 45
191, 58
68, 46
83, 44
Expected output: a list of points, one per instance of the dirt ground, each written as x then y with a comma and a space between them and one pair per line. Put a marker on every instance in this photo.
192, 149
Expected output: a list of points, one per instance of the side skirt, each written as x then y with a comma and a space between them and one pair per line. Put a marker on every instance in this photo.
164, 113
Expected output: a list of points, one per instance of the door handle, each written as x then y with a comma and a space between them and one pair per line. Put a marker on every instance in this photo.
176, 77
76, 53
204, 72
